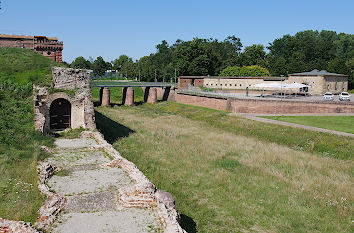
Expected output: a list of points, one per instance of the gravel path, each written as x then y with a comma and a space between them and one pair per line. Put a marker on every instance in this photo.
253, 117
91, 191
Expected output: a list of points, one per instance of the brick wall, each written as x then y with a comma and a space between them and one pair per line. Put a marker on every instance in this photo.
51, 49
263, 106
288, 107
208, 102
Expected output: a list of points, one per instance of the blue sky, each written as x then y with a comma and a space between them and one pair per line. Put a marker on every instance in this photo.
110, 28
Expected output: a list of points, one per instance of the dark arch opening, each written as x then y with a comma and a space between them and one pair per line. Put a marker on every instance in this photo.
60, 114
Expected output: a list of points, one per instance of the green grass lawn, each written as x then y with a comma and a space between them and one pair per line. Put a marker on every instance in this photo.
339, 123
230, 174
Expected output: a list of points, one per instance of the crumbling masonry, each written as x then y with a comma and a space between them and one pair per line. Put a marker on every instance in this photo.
66, 104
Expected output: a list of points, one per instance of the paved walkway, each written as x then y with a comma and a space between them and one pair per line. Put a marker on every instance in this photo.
257, 118
91, 192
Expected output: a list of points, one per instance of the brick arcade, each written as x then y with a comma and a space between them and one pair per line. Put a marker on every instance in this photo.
47, 46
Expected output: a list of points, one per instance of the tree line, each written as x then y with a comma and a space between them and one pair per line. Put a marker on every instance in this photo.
304, 51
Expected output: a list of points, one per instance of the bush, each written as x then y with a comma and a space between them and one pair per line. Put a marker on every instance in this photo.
245, 71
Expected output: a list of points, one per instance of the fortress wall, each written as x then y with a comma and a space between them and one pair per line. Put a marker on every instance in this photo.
264, 106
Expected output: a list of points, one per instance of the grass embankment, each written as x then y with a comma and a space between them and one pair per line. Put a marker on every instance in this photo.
338, 123
230, 174
299, 139
19, 142
227, 176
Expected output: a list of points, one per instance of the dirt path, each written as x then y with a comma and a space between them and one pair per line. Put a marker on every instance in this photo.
90, 189
256, 118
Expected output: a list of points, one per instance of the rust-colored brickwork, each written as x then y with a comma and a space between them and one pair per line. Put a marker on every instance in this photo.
185, 81
262, 106
47, 46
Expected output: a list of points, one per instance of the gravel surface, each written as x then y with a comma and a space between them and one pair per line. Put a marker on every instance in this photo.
70, 159
128, 220
92, 202
91, 190
75, 143
88, 181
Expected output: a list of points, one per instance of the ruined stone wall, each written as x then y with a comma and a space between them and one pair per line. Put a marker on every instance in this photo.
82, 109
263, 106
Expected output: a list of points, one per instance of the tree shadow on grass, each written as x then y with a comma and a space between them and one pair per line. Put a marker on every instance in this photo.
188, 224
111, 130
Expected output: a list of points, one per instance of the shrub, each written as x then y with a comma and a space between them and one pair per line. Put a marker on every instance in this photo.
245, 71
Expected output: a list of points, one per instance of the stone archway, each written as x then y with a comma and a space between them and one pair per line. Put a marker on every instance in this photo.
60, 114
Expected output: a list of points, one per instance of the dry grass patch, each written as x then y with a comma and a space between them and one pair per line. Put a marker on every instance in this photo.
226, 182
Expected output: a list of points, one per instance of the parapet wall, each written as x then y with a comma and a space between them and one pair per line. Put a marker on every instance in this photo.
264, 106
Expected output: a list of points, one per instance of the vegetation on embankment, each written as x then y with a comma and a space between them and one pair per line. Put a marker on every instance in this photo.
338, 123
298, 139
230, 174
24, 66
19, 141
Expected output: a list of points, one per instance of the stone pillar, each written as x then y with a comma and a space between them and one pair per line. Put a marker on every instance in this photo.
152, 98
160, 92
124, 95
101, 92
106, 97
129, 101
145, 93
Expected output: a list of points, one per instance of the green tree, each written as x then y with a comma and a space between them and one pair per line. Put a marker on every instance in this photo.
80, 63
129, 69
99, 66
119, 62
253, 55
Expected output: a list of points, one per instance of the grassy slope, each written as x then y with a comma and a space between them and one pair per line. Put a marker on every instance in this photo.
230, 175
19, 142
339, 123
298, 139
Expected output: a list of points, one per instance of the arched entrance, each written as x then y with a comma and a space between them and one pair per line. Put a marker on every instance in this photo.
60, 114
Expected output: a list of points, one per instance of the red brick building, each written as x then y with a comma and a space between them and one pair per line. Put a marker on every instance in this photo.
47, 46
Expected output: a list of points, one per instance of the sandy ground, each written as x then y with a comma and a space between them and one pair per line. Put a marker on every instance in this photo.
90, 189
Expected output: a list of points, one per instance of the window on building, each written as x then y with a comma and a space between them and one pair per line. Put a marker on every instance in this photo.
336, 87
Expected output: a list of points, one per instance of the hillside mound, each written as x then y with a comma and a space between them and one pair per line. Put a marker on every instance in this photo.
19, 142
